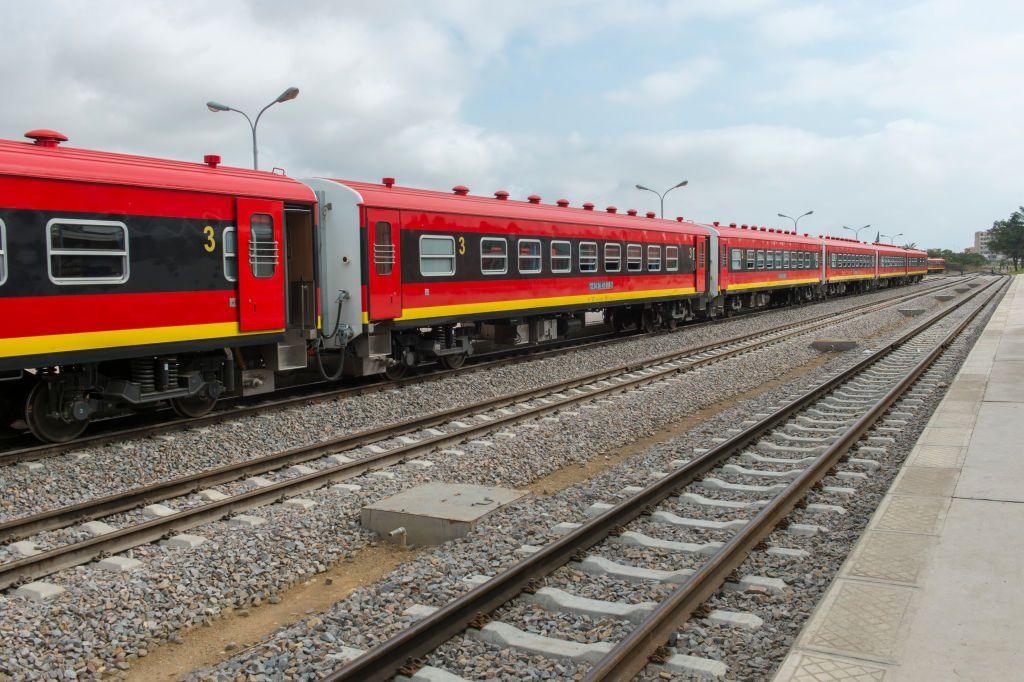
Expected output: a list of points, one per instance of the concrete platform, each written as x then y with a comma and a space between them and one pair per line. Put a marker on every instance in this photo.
434, 513
933, 590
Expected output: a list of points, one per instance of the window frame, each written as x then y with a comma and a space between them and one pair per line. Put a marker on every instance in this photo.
769, 259
230, 229
86, 281
438, 237
736, 260
653, 264
567, 258
383, 254
539, 256
3, 252
751, 259
591, 262
618, 256
672, 259
504, 256
760, 259
638, 260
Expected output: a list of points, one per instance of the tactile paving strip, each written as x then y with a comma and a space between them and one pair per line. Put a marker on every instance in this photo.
810, 668
893, 557
861, 620
937, 456
912, 514
928, 481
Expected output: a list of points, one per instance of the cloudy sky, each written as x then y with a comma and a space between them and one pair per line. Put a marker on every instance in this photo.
905, 115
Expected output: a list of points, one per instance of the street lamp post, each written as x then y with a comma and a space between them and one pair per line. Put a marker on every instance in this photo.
891, 237
856, 231
289, 94
795, 220
661, 195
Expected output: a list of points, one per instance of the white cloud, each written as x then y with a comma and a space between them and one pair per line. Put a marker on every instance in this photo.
668, 85
796, 26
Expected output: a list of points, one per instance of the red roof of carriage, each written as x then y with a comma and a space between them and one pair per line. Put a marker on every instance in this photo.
410, 199
57, 162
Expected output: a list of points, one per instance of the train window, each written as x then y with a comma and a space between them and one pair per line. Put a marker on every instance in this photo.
383, 248
262, 246
612, 257
561, 256
760, 260
654, 258
588, 256
437, 256
87, 251
3, 252
769, 260
834, 260
229, 242
529, 256
671, 258
634, 257
785, 260
805, 258
736, 263
815, 263
750, 259
493, 256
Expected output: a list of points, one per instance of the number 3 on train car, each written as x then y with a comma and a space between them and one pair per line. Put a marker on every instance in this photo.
261, 284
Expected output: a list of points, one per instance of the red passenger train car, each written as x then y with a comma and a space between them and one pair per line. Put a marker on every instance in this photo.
128, 282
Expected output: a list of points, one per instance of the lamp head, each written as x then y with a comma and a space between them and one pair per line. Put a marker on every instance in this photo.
646, 188
290, 93
684, 183
217, 106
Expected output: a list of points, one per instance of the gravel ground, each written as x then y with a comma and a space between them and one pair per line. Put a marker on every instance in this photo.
106, 620
108, 469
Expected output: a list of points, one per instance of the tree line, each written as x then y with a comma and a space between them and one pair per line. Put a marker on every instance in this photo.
1008, 237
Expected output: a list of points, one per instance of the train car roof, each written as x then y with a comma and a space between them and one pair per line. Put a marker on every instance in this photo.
892, 248
411, 199
49, 159
760, 232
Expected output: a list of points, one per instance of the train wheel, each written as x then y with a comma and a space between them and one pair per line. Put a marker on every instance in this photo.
49, 426
453, 361
194, 405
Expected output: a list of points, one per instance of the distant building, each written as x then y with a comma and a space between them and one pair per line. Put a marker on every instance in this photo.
970, 249
982, 239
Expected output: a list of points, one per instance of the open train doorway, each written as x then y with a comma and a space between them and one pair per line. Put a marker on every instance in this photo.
300, 271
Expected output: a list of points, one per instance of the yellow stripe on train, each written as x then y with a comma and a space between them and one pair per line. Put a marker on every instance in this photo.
117, 338
774, 283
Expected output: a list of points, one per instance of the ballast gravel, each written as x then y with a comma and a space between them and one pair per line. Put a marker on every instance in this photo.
108, 469
106, 620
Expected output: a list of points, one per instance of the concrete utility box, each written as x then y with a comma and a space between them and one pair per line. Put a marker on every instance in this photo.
911, 312
435, 513
830, 345
944, 297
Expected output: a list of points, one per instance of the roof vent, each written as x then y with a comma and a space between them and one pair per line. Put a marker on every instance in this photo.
562, 202
587, 206
533, 198
388, 182
679, 218
631, 211
211, 160
501, 194
46, 138
715, 223
651, 214
734, 225
612, 209
461, 190
763, 230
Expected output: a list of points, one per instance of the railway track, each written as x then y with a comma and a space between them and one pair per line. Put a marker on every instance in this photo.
778, 459
15, 452
402, 441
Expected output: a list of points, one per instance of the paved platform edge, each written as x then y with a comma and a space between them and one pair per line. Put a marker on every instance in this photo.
864, 626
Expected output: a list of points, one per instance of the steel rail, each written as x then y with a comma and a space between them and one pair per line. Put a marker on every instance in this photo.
414, 643
479, 363
76, 553
631, 655
61, 517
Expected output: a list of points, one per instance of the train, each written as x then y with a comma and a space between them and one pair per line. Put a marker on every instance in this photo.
936, 266
128, 283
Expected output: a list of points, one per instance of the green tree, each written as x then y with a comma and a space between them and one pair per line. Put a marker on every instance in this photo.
1008, 237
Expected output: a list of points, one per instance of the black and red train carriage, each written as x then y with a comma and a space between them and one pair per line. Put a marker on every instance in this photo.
127, 282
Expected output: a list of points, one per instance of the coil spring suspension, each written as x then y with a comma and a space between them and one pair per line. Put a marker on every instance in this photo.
144, 374
167, 372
